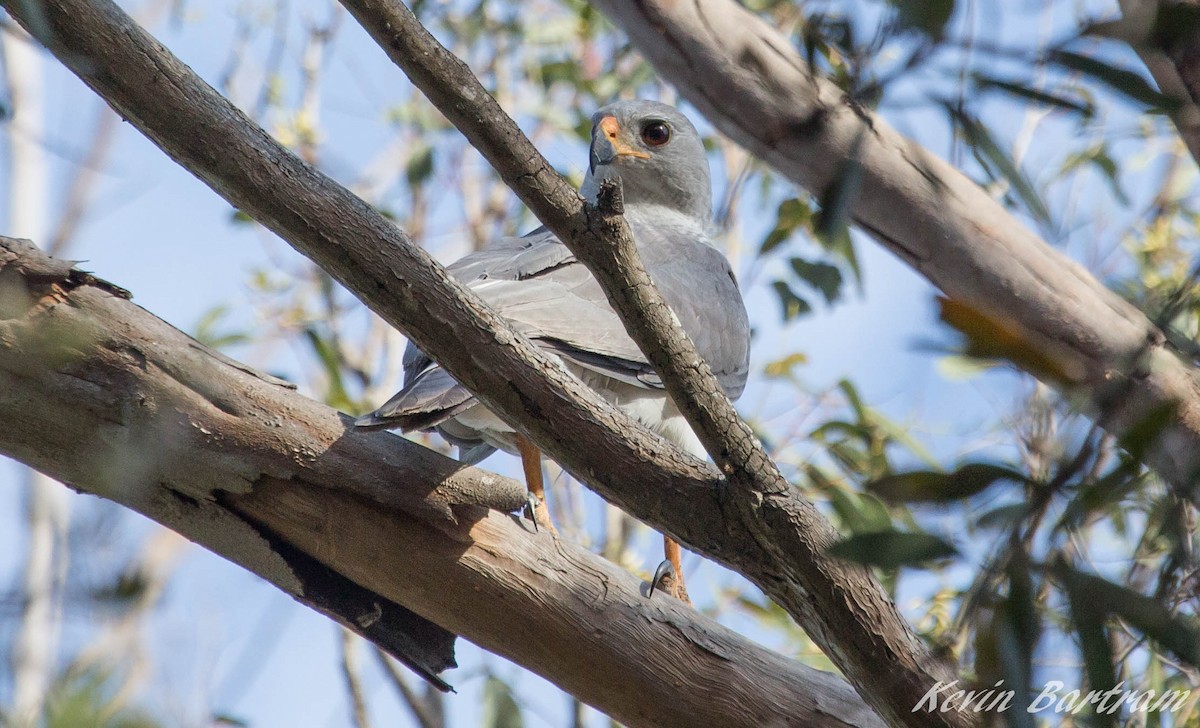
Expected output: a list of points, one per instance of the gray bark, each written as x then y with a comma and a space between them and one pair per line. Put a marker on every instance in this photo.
755, 87
770, 534
104, 396
1176, 69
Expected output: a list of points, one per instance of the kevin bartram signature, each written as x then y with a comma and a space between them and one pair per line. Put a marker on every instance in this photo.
945, 697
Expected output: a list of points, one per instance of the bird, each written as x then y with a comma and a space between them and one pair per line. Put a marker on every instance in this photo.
537, 284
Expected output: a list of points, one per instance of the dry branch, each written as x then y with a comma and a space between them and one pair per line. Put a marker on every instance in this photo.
772, 536
750, 81
104, 396
786, 527
1176, 66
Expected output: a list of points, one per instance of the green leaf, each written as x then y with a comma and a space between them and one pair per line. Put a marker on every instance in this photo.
782, 368
892, 549
1098, 157
791, 304
858, 512
1017, 629
853, 398
1145, 433
928, 16
1087, 617
1123, 81
925, 486
791, 215
1084, 108
1152, 618
1002, 516
327, 354
841, 245
500, 709
420, 166
207, 330
1019, 605
991, 335
824, 277
86, 700
839, 198
1106, 492
241, 218
980, 139
129, 585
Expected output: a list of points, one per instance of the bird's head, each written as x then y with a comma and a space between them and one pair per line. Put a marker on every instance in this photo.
656, 153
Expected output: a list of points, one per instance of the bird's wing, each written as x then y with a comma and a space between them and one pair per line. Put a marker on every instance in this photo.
698, 283
537, 284
507, 258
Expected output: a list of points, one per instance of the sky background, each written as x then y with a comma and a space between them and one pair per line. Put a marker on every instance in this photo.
223, 640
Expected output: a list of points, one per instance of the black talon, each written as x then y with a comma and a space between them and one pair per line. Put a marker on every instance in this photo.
664, 570
531, 511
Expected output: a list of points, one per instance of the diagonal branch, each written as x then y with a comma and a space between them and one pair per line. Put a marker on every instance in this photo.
102, 395
768, 533
792, 535
1175, 65
747, 78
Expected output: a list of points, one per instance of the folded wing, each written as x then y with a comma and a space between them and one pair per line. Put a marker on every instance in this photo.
552, 299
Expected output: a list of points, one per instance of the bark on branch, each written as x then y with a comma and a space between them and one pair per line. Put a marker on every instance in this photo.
787, 529
750, 81
1175, 65
101, 395
774, 537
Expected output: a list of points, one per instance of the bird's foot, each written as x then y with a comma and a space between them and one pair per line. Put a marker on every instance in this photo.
536, 511
667, 579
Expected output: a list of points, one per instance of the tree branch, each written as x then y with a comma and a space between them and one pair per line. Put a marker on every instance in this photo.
789, 531
773, 537
102, 395
752, 84
1176, 68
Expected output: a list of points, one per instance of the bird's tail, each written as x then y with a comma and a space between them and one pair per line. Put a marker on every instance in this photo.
431, 398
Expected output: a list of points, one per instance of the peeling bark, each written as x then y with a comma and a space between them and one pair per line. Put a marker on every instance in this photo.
750, 81
387, 537
771, 534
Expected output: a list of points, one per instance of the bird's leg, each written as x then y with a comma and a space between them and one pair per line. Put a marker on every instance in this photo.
531, 463
669, 574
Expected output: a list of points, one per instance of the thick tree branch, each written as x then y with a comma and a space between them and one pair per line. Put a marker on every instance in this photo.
1174, 65
748, 80
781, 548
104, 396
784, 525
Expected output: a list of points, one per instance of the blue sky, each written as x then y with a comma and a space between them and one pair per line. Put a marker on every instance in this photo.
159, 232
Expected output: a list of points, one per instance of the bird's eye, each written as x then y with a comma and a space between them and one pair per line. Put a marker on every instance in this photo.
656, 133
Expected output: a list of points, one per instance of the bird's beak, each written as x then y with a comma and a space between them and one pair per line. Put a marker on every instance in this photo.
607, 143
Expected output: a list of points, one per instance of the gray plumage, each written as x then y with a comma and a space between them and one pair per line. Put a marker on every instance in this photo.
550, 297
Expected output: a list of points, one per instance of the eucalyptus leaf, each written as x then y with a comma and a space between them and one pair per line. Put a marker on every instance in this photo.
790, 303
924, 486
988, 150
893, 549
1128, 83
500, 709
1178, 634
823, 277
1028, 93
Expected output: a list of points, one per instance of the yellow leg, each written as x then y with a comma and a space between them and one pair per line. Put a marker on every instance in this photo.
531, 463
669, 574
674, 554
